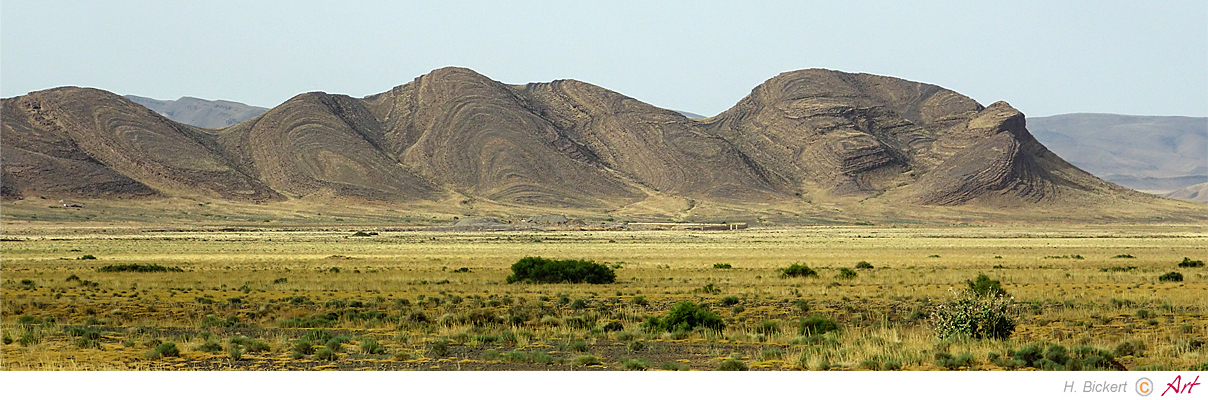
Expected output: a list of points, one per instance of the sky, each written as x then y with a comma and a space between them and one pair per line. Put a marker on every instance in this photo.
1045, 58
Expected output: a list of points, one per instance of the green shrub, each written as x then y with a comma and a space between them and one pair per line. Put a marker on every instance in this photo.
971, 315
303, 346
816, 325
639, 301
635, 364
587, 360
541, 270
722, 266
209, 347
1124, 256
686, 316
947, 361
798, 270
1171, 277
326, 354
1189, 263
729, 300
138, 268
370, 346
1130, 348
673, 366
439, 348
29, 339
863, 265
166, 349
87, 257
732, 365
984, 286
846, 273
613, 326
636, 346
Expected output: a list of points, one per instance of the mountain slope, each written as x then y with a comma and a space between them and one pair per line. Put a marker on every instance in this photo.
201, 113
90, 142
810, 142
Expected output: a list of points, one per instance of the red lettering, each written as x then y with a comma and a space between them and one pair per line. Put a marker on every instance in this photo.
1175, 384
1189, 385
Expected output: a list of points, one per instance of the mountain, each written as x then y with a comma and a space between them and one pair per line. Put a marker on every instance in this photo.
1197, 193
1157, 154
810, 142
201, 113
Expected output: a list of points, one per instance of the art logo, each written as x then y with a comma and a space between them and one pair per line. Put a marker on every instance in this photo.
1178, 387
1145, 387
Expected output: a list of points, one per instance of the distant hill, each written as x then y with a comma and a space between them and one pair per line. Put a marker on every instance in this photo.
201, 113
1197, 193
691, 115
1157, 154
812, 142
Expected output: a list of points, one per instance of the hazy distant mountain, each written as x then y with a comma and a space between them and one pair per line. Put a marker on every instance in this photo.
199, 112
1197, 193
1139, 152
803, 141
691, 115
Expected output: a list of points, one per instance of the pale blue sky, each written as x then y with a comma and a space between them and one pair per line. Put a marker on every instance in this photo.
1148, 58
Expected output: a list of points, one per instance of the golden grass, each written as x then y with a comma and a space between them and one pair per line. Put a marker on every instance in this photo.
1068, 301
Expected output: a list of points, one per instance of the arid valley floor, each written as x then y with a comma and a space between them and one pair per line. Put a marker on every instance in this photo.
331, 299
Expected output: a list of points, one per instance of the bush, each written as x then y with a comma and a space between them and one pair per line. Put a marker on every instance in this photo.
846, 273
949, 362
209, 347
326, 354
371, 346
138, 268
984, 286
635, 364
587, 360
970, 315
303, 346
439, 348
798, 270
1171, 277
613, 326
1130, 348
541, 270
863, 265
722, 266
87, 257
816, 325
729, 300
166, 349
732, 365
1189, 263
686, 316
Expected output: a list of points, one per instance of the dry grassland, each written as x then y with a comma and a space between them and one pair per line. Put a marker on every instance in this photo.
438, 300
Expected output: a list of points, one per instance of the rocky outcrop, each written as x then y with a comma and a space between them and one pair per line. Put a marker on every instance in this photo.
455, 136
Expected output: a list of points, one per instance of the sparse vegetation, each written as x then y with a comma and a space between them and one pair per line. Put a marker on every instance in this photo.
541, 270
138, 268
1171, 277
1189, 263
685, 316
298, 308
975, 316
798, 270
